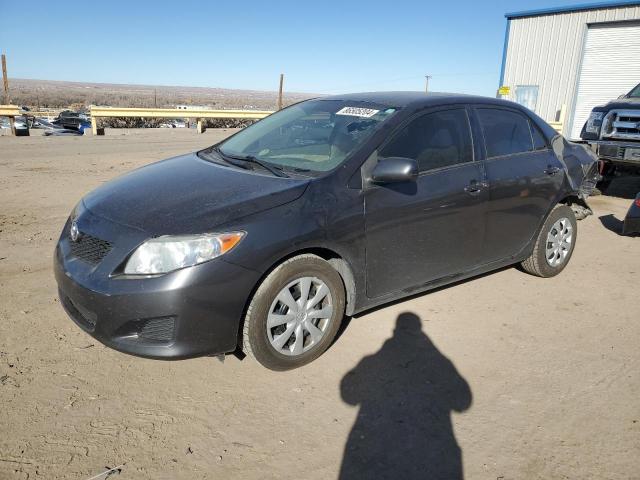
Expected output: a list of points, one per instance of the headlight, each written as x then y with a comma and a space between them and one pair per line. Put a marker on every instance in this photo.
165, 254
594, 122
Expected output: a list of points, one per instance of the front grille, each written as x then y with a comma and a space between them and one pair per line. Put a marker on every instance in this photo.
158, 330
622, 124
89, 249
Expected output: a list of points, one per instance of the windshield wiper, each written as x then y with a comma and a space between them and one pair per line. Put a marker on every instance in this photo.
251, 159
217, 158
227, 159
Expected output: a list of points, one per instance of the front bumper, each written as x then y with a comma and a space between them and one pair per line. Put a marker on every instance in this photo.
187, 313
616, 151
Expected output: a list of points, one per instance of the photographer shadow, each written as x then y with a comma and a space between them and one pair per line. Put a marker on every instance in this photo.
406, 392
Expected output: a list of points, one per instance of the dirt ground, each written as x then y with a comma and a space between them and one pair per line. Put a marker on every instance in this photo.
506, 376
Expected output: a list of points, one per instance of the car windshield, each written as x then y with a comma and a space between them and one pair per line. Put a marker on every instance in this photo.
313, 136
635, 93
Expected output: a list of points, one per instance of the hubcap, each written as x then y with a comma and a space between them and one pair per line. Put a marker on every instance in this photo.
299, 316
559, 241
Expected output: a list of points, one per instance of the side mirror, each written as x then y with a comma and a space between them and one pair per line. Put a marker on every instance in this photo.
395, 170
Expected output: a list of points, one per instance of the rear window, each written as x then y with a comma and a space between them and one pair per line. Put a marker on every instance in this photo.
505, 132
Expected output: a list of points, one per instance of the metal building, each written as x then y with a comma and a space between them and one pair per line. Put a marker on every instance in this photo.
562, 62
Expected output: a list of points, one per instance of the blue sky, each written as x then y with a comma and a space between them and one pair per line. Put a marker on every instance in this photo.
321, 46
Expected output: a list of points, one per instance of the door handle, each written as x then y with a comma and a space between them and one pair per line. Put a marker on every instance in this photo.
475, 187
551, 170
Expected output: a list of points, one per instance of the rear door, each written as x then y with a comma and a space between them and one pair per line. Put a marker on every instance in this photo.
524, 179
433, 227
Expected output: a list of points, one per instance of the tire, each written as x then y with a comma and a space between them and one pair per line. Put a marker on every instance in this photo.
262, 336
560, 253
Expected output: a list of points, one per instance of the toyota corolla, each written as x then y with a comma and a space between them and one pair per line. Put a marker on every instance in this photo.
262, 243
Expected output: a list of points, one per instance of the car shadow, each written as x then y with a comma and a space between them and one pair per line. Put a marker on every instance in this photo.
624, 186
610, 222
406, 392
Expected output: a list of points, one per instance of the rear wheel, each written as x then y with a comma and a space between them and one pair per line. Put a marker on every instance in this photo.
295, 314
554, 245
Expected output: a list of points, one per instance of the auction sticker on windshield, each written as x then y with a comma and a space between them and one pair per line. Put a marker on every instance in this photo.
357, 112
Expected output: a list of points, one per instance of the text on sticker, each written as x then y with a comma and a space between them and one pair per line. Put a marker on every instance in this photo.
357, 112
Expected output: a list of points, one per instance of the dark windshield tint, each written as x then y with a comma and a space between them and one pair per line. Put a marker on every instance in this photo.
434, 140
635, 92
505, 132
317, 135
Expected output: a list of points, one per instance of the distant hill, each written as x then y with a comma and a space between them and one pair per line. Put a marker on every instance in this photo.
56, 94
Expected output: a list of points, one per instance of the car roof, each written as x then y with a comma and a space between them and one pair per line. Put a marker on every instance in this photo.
416, 99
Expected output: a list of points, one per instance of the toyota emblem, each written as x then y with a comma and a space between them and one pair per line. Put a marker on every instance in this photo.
74, 232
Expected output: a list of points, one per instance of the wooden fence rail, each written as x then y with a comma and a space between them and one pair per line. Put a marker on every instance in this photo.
199, 114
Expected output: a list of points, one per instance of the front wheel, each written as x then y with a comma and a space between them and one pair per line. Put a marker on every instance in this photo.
295, 313
554, 245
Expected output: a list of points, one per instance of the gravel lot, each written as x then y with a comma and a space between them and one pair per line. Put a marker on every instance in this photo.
506, 376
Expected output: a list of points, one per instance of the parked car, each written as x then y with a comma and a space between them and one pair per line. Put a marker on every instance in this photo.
263, 242
613, 131
72, 121
18, 122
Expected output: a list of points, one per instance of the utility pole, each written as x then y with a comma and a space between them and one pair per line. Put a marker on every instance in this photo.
155, 98
280, 91
7, 99
5, 80
426, 84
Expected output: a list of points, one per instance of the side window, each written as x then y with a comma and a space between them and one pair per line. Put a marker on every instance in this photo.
505, 132
539, 143
434, 140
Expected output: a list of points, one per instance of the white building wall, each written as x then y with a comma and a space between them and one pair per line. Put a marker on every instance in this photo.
546, 50
602, 53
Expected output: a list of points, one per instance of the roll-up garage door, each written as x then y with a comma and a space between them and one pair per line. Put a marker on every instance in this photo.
610, 68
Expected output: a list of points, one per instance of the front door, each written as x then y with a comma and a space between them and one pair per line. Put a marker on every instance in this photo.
432, 227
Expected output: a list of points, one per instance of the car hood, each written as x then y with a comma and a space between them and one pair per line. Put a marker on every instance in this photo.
187, 194
621, 103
